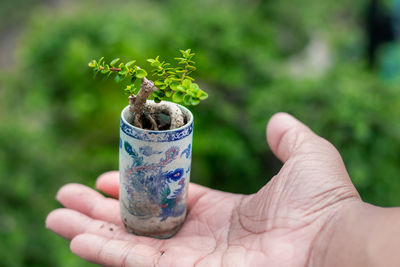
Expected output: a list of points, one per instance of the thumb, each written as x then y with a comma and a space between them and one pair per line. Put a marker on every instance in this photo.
288, 137
313, 177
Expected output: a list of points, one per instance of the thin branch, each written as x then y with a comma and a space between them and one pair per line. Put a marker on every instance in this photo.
111, 69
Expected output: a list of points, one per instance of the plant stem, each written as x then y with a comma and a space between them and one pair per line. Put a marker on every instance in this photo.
111, 69
145, 91
139, 102
184, 73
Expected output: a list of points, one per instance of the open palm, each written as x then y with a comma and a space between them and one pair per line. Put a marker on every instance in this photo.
277, 226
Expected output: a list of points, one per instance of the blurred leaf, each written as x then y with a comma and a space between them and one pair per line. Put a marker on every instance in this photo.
186, 84
130, 63
194, 101
187, 100
118, 78
92, 63
177, 97
140, 73
114, 61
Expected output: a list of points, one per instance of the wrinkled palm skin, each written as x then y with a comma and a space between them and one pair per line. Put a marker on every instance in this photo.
280, 225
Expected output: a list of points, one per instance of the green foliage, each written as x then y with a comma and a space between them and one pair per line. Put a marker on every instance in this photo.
176, 84
173, 83
122, 71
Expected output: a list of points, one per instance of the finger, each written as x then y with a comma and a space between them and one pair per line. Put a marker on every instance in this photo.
70, 223
89, 202
288, 137
111, 252
109, 183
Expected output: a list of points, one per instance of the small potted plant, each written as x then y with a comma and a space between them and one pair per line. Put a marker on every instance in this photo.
155, 142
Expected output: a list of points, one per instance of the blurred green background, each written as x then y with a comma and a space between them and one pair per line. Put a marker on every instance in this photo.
255, 58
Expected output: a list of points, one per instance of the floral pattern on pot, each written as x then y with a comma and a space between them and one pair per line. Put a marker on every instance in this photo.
154, 177
151, 184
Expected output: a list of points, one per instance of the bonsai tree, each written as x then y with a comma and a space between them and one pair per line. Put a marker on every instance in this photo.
167, 83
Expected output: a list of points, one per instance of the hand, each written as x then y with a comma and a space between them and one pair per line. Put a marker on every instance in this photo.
277, 226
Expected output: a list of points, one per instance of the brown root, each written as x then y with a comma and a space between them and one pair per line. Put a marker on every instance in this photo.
152, 121
157, 117
175, 114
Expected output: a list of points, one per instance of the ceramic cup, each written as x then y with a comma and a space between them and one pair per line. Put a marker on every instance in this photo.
154, 176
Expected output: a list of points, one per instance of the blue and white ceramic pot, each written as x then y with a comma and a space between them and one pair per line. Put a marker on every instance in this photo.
154, 176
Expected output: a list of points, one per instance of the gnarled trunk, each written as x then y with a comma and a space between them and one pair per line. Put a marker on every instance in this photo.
152, 116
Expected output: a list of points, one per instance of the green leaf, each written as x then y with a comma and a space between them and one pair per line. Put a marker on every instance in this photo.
157, 100
158, 83
202, 95
130, 63
158, 94
194, 87
187, 100
123, 71
186, 83
167, 81
161, 73
195, 102
191, 93
168, 93
130, 89
177, 97
101, 60
180, 88
109, 74
92, 63
118, 78
156, 64
105, 70
174, 86
185, 53
180, 58
141, 73
114, 62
